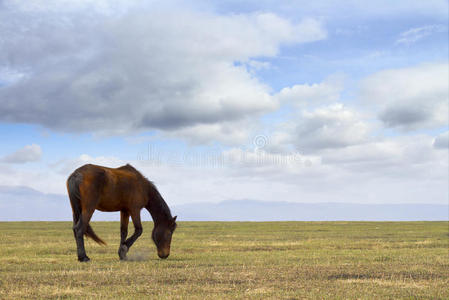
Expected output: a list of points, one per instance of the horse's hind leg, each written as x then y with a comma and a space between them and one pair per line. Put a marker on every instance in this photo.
79, 229
124, 220
79, 238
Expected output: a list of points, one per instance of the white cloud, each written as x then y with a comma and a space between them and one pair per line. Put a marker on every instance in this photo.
368, 157
29, 153
417, 33
409, 98
234, 133
317, 120
392, 155
334, 126
66, 166
442, 141
396, 169
390, 170
315, 94
259, 160
148, 68
50, 178
257, 65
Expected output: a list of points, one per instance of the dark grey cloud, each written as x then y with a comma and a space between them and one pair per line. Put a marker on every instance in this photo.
409, 98
405, 116
82, 69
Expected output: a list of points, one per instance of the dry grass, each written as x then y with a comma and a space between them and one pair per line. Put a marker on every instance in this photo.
280, 260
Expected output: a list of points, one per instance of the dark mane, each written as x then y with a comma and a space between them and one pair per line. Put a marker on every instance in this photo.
128, 167
156, 204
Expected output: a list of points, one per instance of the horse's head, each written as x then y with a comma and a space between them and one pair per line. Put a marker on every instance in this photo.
162, 237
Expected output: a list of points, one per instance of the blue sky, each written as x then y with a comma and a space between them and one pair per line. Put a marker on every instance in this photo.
228, 100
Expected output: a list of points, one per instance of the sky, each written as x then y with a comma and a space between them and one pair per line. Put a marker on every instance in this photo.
298, 101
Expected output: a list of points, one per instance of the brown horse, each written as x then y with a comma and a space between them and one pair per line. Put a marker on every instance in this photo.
122, 189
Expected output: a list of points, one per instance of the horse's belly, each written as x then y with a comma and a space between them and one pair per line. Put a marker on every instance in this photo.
107, 204
107, 209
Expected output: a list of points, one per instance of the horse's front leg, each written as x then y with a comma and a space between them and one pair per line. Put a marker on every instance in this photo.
124, 220
135, 216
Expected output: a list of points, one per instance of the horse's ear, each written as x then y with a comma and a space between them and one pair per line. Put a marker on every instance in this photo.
174, 218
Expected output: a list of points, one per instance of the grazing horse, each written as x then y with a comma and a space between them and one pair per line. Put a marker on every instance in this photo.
122, 189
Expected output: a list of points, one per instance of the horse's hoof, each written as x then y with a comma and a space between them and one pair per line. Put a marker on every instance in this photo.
122, 252
83, 259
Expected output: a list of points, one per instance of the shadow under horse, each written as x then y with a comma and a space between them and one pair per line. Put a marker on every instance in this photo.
121, 189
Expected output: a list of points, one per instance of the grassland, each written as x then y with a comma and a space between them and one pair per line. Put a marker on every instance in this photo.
219, 260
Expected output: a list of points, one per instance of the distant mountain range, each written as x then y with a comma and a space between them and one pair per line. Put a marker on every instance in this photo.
251, 210
26, 204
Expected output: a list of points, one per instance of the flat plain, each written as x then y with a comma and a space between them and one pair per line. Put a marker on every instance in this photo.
231, 260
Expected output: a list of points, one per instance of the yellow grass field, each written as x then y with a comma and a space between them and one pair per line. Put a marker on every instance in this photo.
231, 260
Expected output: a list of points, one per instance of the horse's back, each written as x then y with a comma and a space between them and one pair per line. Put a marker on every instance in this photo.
92, 175
111, 189
100, 175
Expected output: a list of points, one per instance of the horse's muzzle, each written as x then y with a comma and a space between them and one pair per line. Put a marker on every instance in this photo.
163, 253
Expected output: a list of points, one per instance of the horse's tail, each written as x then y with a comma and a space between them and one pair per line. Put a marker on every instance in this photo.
73, 183
90, 233
73, 189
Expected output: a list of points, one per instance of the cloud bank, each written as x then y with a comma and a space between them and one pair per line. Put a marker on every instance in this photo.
86, 70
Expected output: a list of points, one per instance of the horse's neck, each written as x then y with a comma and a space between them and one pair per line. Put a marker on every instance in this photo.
158, 209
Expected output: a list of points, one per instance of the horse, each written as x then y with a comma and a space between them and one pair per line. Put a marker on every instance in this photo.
121, 189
